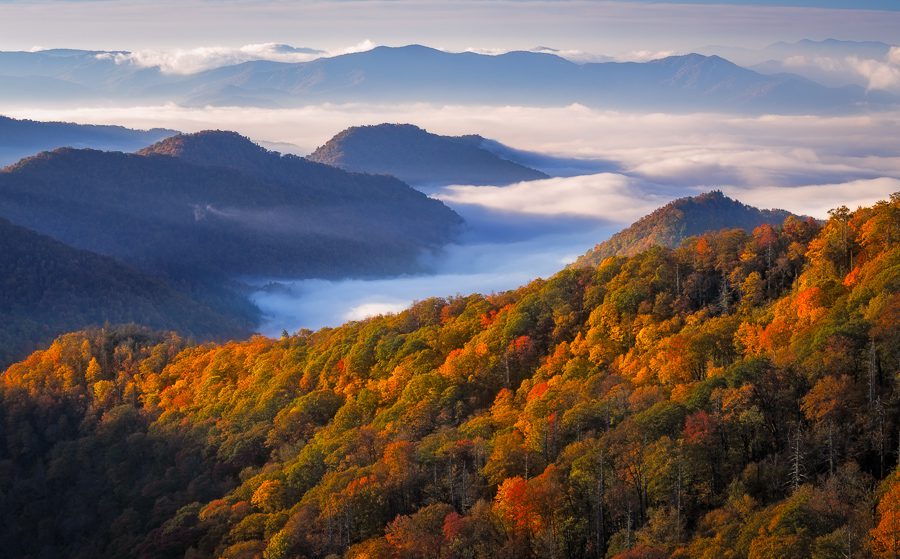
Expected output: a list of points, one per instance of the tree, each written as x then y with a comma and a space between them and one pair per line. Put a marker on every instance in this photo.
886, 534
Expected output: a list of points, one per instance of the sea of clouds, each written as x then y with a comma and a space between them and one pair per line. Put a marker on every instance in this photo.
632, 162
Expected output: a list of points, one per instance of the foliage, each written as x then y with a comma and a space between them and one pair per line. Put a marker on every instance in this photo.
735, 397
48, 288
680, 219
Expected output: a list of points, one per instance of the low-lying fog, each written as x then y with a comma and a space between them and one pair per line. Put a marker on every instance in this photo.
498, 251
625, 165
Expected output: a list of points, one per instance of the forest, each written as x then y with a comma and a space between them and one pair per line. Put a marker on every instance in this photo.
734, 397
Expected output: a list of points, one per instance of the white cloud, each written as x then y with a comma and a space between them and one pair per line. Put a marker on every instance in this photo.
817, 199
644, 55
894, 56
189, 61
880, 75
607, 196
365, 310
473, 267
362, 46
874, 73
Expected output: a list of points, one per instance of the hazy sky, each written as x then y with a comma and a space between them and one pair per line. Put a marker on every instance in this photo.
586, 25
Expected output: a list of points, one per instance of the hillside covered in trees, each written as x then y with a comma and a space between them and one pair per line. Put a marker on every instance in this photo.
734, 397
214, 204
685, 217
48, 288
21, 138
419, 157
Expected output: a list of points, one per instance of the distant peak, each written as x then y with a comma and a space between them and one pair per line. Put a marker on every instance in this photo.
711, 195
418, 156
684, 217
404, 48
181, 144
386, 127
213, 148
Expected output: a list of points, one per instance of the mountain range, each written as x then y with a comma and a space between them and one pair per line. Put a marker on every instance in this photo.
21, 138
416, 73
831, 62
419, 157
167, 236
216, 204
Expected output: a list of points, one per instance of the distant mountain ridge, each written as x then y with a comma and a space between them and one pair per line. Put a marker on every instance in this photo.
215, 204
420, 74
679, 219
415, 73
419, 157
830, 62
21, 138
49, 288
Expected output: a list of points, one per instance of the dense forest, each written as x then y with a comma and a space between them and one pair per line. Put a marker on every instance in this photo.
48, 288
734, 397
684, 217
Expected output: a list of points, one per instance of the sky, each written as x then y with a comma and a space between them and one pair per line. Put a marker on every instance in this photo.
598, 26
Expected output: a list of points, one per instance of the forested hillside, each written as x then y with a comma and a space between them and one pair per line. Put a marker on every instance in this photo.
419, 157
682, 218
48, 288
735, 397
214, 204
21, 138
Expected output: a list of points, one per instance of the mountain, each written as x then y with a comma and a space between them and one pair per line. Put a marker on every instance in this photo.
72, 77
419, 157
21, 138
49, 288
831, 62
827, 47
416, 73
421, 74
685, 217
783, 50
214, 204
737, 398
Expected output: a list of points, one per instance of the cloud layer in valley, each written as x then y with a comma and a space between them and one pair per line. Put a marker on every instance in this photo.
472, 267
665, 155
805, 164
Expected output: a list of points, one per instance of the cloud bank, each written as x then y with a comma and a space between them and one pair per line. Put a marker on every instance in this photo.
605, 196
805, 164
654, 155
190, 61
474, 267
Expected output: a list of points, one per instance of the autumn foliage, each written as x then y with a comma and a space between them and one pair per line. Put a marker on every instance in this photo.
736, 397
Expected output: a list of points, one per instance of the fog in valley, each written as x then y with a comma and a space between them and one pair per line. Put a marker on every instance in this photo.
608, 169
